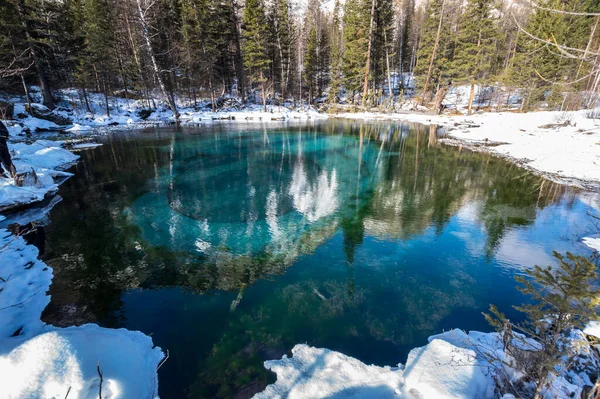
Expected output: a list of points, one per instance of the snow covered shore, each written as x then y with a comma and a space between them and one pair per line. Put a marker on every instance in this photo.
563, 146
37, 360
42, 361
131, 114
46, 159
453, 365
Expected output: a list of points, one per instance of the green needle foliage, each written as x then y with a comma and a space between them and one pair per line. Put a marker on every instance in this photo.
356, 32
562, 298
475, 50
255, 34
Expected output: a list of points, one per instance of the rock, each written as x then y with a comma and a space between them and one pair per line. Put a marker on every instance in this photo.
228, 103
144, 113
7, 110
42, 112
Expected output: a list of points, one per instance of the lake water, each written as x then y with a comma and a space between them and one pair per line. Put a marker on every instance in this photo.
229, 245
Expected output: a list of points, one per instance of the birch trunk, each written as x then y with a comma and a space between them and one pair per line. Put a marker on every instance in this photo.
471, 95
157, 72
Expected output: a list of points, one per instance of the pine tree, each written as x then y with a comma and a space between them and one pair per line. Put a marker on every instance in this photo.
356, 32
335, 55
382, 42
311, 67
475, 50
407, 14
562, 298
283, 27
96, 59
433, 58
540, 68
255, 33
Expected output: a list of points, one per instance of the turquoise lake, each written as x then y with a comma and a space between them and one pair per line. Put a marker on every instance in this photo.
231, 244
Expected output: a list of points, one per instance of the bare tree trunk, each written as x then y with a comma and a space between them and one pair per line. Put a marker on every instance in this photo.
262, 87
439, 99
27, 95
44, 86
85, 99
106, 97
433, 53
239, 67
157, 72
471, 95
283, 80
368, 65
389, 75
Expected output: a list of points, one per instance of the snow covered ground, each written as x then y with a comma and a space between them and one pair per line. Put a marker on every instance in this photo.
38, 360
130, 113
453, 365
42, 361
593, 243
46, 159
563, 146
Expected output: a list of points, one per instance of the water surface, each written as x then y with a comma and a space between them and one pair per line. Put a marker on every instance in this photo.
229, 245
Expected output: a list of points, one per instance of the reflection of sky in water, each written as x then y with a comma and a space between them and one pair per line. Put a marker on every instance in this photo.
379, 253
253, 197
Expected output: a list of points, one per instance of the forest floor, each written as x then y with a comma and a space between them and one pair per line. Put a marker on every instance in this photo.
38, 360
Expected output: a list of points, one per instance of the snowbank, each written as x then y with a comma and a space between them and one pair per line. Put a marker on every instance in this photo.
454, 365
564, 146
322, 373
593, 243
37, 360
128, 114
46, 158
66, 360
41, 361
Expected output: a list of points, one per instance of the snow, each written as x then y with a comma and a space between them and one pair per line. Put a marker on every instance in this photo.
124, 114
38, 360
24, 283
593, 243
568, 153
430, 372
46, 158
65, 360
593, 329
85, 146
453, 365
322, 373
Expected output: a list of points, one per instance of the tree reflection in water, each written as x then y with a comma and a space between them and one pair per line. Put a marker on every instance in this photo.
374, 217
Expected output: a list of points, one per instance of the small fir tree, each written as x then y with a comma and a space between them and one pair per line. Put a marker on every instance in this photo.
562, 298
